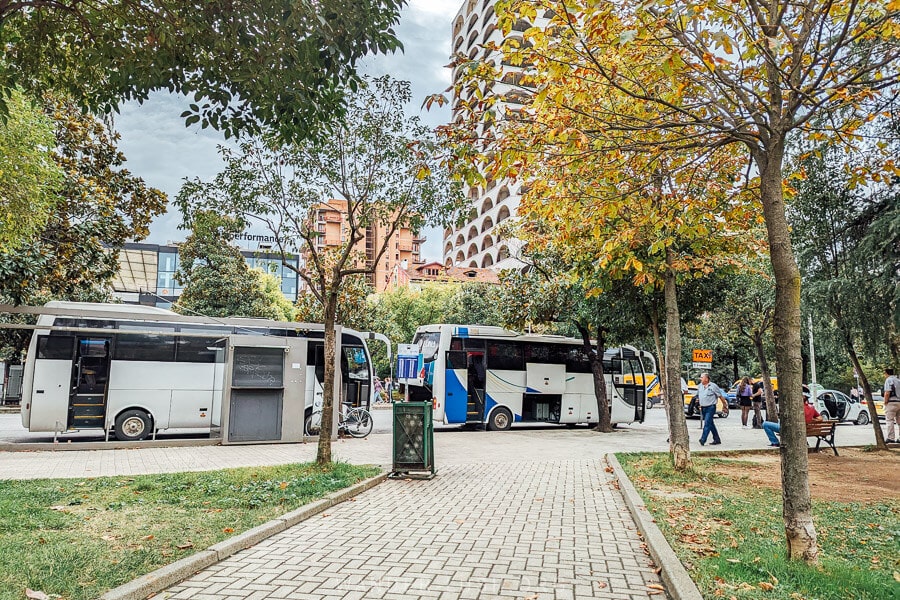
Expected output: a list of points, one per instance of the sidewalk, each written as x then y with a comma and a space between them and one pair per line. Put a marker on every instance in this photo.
537, 530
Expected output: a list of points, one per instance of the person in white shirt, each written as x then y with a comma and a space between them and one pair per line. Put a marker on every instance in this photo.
891, 406
708, 394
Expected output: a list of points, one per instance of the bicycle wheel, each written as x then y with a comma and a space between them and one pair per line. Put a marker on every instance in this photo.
359, 423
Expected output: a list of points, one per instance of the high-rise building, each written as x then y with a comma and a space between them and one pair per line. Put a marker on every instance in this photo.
404, 247
477, 242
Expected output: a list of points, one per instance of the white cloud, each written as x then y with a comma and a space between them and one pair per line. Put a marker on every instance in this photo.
163, 152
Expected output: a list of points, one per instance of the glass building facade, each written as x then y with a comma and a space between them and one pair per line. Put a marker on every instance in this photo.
147, 273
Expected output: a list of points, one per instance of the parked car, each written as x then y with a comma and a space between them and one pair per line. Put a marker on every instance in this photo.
732, 396
833, 404
878, 401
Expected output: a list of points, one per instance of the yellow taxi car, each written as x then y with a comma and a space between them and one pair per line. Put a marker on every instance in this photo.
879, 404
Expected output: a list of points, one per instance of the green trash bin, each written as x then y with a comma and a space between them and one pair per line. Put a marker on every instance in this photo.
413, 440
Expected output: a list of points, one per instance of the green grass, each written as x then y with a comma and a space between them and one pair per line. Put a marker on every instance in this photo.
730, 536
79, 537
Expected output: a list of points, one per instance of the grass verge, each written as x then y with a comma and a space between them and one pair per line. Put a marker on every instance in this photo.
78, 538
730, 535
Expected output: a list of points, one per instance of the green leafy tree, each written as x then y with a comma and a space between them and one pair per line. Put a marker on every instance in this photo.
383, 166
745, 309
474, 303
98, 205
352, 309
28, 174
843, 283
281, 64
217, 280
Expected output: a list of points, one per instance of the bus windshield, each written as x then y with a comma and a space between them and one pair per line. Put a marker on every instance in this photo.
428, 344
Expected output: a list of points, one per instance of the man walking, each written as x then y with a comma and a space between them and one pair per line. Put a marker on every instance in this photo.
707, 394
891, 406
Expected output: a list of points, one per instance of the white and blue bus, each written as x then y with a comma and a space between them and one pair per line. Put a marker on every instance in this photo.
135, 370
492, 376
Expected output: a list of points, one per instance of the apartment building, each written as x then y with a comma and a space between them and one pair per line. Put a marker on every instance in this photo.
403, 252
477, 242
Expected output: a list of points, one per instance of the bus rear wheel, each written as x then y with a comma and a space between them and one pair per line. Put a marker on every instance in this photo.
133, 425
500, 420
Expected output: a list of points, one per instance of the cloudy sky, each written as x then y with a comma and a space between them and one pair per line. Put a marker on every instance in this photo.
163, 152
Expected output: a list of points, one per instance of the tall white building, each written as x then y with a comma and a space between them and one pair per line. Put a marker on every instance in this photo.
477, 243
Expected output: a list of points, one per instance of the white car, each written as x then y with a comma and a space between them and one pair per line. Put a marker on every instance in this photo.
833, 404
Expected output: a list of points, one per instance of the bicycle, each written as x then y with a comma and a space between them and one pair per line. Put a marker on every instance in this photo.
357, 422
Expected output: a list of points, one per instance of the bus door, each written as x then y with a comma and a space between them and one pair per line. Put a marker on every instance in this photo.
628, 379
456, 381
47, 406
475, 386
87, 402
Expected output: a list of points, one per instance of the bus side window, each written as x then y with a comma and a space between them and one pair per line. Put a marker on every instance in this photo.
577, 361
505, 356
143, 346
56, 347
456, 359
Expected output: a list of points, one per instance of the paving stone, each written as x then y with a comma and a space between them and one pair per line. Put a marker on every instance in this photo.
504, 530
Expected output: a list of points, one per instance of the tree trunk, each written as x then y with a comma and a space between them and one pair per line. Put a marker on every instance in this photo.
797, 511
326, 431
679, 442
771, 407
595, 356
867, 391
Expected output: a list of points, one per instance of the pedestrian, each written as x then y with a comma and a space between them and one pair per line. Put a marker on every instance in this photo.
389, 388
891, 406
810, 414
758, 398
379, 392
708, 394
745, 395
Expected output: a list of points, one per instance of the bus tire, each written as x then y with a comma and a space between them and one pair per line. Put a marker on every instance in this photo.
133, 425
500, 419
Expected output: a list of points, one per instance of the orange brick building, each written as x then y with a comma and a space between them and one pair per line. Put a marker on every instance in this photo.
403, 252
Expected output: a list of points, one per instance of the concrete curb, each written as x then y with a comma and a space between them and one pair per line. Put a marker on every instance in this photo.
75, 445
679, 584
168, 575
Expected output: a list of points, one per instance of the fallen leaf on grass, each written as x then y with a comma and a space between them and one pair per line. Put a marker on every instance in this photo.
147, 537
186, 545
733, 560
228, 530
896, 575
60, 509
36, 594
108, 538
765, 585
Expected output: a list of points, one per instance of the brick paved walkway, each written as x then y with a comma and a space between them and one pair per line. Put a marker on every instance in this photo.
527, 530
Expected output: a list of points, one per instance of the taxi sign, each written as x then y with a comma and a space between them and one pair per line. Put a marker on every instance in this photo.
702, 356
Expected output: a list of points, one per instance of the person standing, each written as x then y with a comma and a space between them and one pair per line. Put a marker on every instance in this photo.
745, 395
708, 394
758, 398
891, 406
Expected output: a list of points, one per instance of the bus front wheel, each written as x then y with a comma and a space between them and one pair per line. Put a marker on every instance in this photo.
133, 425
501, 420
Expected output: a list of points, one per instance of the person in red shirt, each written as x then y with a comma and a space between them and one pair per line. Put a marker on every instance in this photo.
809, 412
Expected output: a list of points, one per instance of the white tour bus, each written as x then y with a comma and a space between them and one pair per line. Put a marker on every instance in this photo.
489, 375
91, 373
